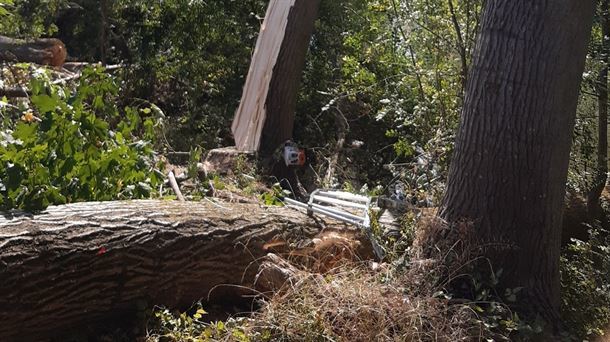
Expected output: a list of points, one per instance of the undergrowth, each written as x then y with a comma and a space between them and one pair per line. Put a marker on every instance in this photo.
406, 299
585, 285
448, 293
352, 304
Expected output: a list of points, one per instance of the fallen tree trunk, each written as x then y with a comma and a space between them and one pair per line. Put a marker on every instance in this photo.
47, 51
77, 264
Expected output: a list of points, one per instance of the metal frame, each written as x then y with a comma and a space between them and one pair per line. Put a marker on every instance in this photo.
335, 201
332, 203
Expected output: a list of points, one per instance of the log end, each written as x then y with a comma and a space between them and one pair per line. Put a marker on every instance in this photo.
55, 51
44, 51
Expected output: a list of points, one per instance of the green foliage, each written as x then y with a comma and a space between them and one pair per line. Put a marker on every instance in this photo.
29, 18
584, 146
391, 70
354, 71
493, 307
192, 170
397, 243
378, 65
5, 7
185, 327
274, 196
583, 155
190, 57
75, 145
585, 285
428, 36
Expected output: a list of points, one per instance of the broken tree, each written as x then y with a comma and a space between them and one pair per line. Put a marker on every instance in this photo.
80, 264
265, 115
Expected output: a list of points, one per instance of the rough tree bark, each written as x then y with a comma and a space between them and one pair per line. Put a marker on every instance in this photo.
77, 264
601, 87
265, 117
286, 78
48, 51
507, 177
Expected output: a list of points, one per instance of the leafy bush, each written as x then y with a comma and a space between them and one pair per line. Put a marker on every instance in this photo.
74, 145
585, 285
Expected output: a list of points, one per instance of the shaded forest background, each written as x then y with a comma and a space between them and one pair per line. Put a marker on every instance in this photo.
382, 89
190, 59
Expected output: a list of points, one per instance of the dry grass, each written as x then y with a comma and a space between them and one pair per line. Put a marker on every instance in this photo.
330, 294
358, 304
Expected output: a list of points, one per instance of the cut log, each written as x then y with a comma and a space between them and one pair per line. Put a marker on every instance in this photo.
48, 51
77, 264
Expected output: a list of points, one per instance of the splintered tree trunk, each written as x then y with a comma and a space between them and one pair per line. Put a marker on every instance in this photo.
265, 115
507, 177
48, 51
79, 264
286, 77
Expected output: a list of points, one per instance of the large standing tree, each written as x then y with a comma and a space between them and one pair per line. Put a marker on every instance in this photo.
508, 173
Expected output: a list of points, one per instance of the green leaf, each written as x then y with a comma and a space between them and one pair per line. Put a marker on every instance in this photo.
220, 326
119, 138
44, 103
200, 312
26, 132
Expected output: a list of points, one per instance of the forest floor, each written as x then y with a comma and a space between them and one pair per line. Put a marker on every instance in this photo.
333, 290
